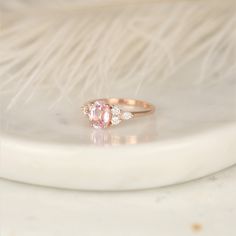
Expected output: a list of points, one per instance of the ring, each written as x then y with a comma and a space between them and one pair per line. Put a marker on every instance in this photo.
107, 112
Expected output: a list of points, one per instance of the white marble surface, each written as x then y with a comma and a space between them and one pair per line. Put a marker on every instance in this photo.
205, 207
192, 134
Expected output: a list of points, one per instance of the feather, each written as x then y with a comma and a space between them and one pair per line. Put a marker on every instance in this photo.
76, 49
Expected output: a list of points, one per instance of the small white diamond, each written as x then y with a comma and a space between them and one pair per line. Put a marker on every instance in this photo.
115, 120
85, 109
115, 110
127, 115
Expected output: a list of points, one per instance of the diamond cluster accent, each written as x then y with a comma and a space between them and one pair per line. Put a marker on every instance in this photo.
115, 120
127, 115
85, 109
115, 110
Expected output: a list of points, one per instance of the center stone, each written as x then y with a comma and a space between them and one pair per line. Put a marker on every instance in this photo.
100, 115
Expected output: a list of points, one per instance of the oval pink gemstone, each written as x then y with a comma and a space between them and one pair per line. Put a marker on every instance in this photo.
100, 115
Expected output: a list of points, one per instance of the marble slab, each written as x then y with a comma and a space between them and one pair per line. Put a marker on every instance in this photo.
204, 207
192, 134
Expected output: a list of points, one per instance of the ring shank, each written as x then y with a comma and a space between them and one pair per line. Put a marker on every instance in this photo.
147, 108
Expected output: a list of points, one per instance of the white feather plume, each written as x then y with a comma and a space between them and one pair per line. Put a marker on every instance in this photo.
80, 48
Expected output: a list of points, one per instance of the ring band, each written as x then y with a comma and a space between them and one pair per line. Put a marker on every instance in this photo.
107, 112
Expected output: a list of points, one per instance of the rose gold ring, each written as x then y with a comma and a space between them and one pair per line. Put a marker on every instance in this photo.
107, 112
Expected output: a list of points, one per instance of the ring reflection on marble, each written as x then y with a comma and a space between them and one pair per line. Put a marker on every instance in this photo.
107, 112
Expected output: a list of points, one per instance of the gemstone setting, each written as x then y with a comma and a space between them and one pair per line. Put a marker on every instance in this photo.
100, 115
103, 115
126, 115
115, 110
115, 120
